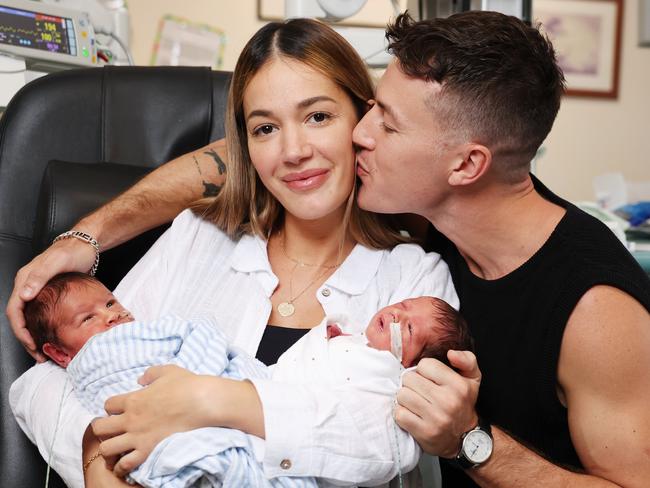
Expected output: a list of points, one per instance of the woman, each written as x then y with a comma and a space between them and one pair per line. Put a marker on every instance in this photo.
283, 244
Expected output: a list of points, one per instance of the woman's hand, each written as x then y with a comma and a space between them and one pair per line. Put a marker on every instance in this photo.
436, 404
96, 473
64, 255
174, 400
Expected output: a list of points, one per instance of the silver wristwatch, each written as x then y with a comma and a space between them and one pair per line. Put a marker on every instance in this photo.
476, 446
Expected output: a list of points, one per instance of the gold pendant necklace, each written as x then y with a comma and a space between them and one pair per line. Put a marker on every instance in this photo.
287, 309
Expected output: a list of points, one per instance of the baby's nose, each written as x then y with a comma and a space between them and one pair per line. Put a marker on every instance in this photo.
113, 316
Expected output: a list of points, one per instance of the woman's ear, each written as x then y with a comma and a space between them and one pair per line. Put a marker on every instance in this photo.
56, 354
472, 163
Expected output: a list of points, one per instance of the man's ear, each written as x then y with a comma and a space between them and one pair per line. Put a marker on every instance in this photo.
472, 163
56, 354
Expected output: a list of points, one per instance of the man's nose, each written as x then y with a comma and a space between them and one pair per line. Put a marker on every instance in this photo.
361, 136
296, 147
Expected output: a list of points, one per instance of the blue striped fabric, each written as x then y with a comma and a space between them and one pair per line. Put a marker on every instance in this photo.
111, 363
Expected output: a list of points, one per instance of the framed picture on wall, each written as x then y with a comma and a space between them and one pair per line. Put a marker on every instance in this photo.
587, 39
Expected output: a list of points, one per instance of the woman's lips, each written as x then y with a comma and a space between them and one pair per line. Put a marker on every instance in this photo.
306, 180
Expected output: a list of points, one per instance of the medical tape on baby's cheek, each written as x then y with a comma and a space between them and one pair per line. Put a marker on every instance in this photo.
396, 340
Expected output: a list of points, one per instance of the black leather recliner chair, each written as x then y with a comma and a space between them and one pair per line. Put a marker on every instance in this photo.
91, 132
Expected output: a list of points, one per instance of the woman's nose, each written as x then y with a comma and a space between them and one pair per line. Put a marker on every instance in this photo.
296, 146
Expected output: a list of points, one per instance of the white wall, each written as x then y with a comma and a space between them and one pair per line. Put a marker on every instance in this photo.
590, 136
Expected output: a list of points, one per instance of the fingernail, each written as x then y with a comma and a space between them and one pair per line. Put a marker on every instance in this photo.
28, 291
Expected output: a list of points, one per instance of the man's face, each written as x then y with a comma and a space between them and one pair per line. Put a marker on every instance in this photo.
416, 317
404, 153
84, 311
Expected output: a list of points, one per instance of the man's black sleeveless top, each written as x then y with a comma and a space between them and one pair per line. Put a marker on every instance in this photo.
517, 323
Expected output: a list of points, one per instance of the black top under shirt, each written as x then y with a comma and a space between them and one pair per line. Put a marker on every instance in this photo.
517, 322
275, 341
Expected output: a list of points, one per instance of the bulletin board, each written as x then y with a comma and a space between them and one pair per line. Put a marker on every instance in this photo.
181, 42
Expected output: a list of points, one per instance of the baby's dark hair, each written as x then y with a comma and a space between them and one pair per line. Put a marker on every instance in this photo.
452, 333
41, 312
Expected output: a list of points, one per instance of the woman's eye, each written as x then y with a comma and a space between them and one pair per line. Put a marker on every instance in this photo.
110, 303
387, 129
319, 117
265, 129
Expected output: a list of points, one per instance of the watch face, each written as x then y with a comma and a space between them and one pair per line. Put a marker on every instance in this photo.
477, 446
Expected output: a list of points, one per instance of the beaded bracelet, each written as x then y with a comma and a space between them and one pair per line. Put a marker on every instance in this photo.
82, 236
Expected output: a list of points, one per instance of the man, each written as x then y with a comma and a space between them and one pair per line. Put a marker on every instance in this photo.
557, 307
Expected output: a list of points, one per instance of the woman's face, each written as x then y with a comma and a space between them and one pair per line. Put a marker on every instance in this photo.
299, 125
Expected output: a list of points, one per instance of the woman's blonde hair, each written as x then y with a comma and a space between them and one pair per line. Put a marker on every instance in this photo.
244, 205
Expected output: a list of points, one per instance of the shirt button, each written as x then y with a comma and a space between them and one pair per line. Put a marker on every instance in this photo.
325, 292
285, 464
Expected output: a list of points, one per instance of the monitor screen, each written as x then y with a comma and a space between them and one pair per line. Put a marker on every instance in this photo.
37, 31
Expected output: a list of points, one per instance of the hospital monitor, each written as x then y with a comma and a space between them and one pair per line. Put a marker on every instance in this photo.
46, 36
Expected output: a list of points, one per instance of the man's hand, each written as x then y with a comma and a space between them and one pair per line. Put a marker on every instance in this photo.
436, 405
62, 256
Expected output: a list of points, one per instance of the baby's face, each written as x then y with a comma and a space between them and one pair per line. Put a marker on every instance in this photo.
416, 317
87, 309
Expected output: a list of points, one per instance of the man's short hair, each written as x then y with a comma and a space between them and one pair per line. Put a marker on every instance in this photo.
500, 82
452, 333
41, 312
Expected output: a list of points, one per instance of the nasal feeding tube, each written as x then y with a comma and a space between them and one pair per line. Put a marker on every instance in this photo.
396, 340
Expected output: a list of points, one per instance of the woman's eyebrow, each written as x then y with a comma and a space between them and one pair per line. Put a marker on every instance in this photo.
312, 100
258, 113
302, 104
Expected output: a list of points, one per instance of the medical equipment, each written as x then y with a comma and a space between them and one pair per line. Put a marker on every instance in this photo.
46, 37
40, 37
110, 19
430, 9
370, 42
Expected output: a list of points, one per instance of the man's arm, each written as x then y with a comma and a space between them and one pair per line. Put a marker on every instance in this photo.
604, 374
154, 200
159, 196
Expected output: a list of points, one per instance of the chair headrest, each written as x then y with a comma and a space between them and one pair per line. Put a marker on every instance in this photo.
71, 190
